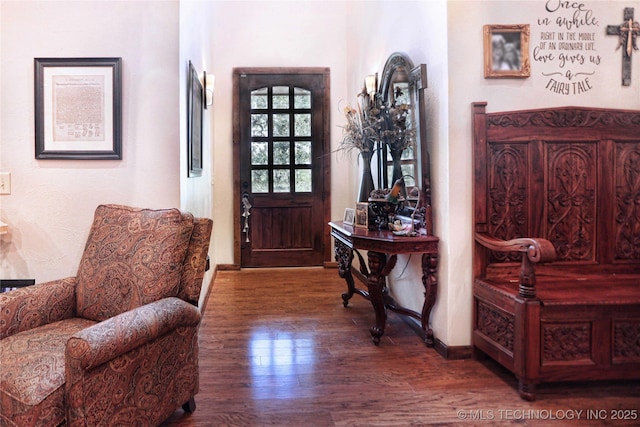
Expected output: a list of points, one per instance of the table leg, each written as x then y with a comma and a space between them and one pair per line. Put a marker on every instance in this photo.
379, 267
344, 257
375, 285
430, 282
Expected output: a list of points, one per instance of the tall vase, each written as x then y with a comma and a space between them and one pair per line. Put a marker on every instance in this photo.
396, 156
366, 185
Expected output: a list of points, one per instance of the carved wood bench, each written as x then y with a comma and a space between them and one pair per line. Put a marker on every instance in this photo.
557, 243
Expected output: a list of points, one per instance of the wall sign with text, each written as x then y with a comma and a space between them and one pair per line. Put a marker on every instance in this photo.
564, 47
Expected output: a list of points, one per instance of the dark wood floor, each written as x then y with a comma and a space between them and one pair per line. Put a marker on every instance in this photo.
278, 348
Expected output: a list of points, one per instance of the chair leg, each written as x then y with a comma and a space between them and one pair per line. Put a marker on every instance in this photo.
190, 405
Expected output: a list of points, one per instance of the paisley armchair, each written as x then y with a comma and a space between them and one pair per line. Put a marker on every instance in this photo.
118, 343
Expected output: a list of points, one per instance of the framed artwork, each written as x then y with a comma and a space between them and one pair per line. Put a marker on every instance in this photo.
78, 108
362, 214
349, 216
506, 51
195, 107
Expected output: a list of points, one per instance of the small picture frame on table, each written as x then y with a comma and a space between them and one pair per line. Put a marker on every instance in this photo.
349, 216
362, 214
506, 51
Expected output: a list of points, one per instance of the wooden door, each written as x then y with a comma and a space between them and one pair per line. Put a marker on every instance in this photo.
283, 161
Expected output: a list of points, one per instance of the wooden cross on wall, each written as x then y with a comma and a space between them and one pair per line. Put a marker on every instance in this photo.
628, 31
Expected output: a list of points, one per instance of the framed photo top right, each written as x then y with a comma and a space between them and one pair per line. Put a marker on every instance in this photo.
506, 51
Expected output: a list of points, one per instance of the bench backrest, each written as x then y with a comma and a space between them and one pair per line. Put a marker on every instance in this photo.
570, 175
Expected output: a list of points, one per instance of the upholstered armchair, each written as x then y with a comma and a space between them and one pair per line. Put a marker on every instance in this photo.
118, 343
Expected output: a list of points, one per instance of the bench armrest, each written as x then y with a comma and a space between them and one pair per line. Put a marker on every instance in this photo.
537, 250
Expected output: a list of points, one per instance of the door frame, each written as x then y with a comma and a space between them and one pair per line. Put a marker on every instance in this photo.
326, 150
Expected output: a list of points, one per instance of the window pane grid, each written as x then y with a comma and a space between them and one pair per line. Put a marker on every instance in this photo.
281, 148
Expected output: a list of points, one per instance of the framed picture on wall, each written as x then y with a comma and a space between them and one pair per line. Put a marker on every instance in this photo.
78, 108
506, 51
195, 99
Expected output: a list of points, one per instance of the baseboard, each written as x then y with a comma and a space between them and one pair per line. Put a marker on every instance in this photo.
452, 352
447, 352
206, 297
235, 267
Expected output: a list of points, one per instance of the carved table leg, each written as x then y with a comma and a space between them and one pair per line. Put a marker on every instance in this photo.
430, 282
379, 267
375, 284
344, 257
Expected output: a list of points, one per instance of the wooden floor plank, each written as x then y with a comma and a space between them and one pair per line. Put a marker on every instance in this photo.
277, 347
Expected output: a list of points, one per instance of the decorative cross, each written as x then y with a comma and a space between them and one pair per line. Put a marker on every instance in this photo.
628, 31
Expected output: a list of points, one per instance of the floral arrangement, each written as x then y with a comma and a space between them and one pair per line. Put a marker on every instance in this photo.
399, 133
363, 124
372, 121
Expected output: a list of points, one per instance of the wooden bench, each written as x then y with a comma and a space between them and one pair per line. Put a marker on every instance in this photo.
556, 263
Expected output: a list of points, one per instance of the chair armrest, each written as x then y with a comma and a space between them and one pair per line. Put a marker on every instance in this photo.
537, 251
32, 306
113, 337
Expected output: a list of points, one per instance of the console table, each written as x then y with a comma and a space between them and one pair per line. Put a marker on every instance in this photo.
383, 247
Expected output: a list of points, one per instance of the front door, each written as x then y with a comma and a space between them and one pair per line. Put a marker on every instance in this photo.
281, 119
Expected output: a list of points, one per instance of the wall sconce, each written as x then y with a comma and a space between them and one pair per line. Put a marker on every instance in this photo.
209, 82
371, 83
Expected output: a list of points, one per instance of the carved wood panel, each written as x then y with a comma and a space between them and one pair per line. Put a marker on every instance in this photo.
627, 175
566, 342
571, 202
626, 341
496, 325
564, 119
507, 195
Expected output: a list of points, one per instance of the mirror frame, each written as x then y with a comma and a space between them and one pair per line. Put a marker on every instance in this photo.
417, 76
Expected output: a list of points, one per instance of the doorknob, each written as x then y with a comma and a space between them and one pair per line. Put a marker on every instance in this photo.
246, 212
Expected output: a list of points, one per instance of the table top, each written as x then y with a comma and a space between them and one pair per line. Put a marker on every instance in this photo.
382, 240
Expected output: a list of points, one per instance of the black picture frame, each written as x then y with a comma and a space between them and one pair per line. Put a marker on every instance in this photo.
78, 108
195, 111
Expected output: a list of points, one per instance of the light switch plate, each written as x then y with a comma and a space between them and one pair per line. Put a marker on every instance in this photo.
5, 182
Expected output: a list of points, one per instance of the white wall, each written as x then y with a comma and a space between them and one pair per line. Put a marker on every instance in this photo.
418, 29
51, 204
273, 34
195, 45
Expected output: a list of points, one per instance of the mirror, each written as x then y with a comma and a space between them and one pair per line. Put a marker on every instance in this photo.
403, 151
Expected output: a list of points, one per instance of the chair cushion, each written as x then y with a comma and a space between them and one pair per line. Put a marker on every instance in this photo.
32, 377
132, 257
